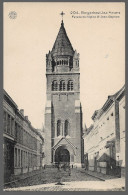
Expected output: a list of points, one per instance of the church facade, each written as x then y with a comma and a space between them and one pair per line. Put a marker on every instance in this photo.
63, 111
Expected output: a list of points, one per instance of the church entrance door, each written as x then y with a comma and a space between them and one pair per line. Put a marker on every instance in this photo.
62, 155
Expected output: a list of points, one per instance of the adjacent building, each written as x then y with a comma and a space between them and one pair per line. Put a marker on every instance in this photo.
104, 140
22, 142
63, 111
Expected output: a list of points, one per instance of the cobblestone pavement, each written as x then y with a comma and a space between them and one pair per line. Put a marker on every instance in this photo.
73, 186
77, 181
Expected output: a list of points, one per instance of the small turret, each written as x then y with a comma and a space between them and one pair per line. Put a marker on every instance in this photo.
76, 61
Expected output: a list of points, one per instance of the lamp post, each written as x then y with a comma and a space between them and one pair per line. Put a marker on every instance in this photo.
118, 165
59, 174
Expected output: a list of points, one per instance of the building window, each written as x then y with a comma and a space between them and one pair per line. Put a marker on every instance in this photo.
15, 157
22, 135
16, 131
70, 85
54, 86
5, 122
66, 128
18, 134
8, 124
12, 127
58, 127
26, 160
18, 157
21, 158
62, 85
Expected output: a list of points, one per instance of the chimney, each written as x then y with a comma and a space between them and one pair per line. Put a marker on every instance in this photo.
22, 111
26, 117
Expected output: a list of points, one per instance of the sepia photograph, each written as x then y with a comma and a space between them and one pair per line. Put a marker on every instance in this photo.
64, 96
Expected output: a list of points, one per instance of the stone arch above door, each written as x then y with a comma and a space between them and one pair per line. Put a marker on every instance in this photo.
62, 155
66, 144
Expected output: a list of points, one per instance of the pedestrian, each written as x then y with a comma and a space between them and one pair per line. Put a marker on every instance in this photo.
72, 166
69, 171
58, 166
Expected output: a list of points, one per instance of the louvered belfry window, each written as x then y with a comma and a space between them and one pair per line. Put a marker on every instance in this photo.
62, 85
54, 86
70, 85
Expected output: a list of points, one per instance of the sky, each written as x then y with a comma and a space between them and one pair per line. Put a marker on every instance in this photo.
30, 36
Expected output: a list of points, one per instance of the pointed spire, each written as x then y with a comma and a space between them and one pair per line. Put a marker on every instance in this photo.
62, 23
62, 45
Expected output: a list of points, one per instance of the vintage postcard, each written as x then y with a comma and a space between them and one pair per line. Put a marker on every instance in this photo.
64, 96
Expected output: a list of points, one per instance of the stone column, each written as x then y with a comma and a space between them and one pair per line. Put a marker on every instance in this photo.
62, 128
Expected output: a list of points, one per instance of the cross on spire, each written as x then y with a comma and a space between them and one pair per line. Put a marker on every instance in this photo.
62, 13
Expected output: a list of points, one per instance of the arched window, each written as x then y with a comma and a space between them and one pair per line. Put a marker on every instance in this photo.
58, 127
70, 85
66, 128
54, 86
62, 85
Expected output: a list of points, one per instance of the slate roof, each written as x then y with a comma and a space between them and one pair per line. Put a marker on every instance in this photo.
10, 101
109, 101
62, 45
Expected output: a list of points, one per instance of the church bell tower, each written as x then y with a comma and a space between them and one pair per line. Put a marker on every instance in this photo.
63, 112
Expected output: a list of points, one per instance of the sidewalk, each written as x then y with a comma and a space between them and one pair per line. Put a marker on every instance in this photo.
99, 175
23, 176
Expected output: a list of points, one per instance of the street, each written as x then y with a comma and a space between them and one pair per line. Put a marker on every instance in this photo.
49, 178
